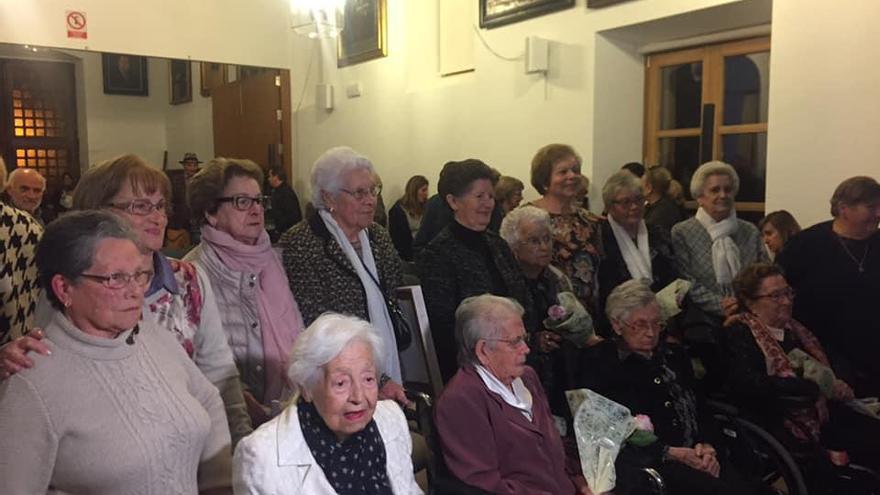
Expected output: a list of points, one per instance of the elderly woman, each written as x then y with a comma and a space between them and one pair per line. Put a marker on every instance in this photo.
527, 232
179, 297
712, 247
405, 217
633, 249
508, 193
654, 379
259, 315
776, 229
118, 407
336, 437
466, 259
766, 350
339, 260
556, 174
493, 420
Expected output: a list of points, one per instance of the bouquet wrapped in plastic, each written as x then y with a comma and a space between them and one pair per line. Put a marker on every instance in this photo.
569, 319
601, 426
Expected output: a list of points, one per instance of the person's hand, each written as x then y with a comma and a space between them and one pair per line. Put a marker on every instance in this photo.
706, 463
13, 356
394, 391
841, 391
709, 458
729, 306
547, 341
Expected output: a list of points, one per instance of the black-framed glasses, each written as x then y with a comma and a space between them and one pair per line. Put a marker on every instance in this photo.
515, 342
143, 207
779, 295
243, 202
362, 194
120, 280
645, 325
630, 201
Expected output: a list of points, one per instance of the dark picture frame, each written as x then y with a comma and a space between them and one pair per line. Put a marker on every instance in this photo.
212, 74
494, 13
364, 32
124, 74
595, 4
180, 81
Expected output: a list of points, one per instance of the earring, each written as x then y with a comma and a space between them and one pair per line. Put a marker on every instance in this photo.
66, 304
331, 209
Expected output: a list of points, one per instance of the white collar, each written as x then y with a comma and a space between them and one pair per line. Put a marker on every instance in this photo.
517, 395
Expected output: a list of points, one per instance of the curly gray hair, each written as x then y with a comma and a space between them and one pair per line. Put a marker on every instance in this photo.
509, 230
628, 297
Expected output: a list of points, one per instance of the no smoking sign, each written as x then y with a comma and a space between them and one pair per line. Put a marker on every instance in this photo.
76, 25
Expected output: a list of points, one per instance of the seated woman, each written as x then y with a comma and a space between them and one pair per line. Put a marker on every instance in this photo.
259, 315
655, 379
493, 420
405, 216
632, 249
466, 259
118, 407
557, 356
335, 437
761, 370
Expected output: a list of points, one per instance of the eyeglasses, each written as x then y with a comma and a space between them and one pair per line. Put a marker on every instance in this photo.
142, 207
630, 201
644, 325
538, 241
242, 202
515, 343
120, 280
362, 194
779, 295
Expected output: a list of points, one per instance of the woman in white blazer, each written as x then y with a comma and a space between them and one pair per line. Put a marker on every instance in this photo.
335, 436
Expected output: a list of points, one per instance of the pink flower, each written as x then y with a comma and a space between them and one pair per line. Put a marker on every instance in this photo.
556, 312
643, 422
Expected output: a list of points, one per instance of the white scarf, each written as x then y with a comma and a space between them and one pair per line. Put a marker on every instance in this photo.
376, 307
518, 398
637, 258
725, 253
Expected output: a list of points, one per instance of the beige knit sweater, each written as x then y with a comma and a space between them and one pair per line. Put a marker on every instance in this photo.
101, 416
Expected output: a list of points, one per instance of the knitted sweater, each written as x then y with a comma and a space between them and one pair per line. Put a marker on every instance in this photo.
101, 416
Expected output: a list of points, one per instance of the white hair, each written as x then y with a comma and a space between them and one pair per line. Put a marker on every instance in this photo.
704, 171
628, 297
481, 318
509, 230
330, 168
623, 180
24, 171
322, 341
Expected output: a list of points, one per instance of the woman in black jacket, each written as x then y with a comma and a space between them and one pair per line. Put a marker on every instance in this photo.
405, 217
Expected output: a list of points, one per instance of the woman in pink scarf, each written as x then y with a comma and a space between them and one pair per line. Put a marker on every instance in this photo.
260, 317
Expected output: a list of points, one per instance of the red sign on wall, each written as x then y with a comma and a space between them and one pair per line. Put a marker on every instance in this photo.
76, 25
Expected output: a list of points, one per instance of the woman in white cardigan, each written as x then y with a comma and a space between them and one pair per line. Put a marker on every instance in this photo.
335, 437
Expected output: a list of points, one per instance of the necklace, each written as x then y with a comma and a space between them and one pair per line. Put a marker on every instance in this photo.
859, 263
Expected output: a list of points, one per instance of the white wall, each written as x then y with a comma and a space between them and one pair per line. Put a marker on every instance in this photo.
824, 102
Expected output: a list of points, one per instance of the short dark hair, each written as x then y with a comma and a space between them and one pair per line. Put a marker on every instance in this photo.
68, 245
634, 168
456, 177
543, 161
748, 281
853, 191
208, 184
278, 172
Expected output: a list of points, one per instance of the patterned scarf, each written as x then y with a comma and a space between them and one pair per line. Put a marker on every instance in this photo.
805, 424
354, 466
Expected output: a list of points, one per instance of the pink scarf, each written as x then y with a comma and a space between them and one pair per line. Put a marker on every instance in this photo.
280, 319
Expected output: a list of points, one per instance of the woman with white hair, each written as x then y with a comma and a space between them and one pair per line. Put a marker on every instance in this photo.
712, 247
339, 260
336, 436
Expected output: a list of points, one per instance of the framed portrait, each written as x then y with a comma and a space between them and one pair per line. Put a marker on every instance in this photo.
180, 81
364, 32
124, 74
212, 75
594, 4
494, 13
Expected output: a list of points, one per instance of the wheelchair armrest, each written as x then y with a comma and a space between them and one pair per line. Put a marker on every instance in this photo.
420, 398
795, 401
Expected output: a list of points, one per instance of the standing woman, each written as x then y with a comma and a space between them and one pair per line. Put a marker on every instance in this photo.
556, 174
260, 317
776, 229
405, 217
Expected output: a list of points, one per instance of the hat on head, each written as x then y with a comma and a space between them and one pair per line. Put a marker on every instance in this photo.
190, 156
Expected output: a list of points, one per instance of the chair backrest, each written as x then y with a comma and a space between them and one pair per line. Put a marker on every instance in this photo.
419, 361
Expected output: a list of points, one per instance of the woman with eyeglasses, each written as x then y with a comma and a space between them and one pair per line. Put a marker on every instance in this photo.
117, 407
179, 297
632, 249
338, 259
766, 351
466, 259
259, 314
648, 376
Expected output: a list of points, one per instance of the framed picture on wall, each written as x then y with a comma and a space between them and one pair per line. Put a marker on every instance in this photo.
364, 32
213, 75
124, 74
180, 81
494, 13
